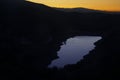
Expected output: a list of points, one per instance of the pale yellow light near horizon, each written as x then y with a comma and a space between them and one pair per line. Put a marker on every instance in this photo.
109, 5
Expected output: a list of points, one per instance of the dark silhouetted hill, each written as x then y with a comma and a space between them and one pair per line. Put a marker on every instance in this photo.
31, 34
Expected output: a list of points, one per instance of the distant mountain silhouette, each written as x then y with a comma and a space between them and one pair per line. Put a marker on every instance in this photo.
85, 10
80, 10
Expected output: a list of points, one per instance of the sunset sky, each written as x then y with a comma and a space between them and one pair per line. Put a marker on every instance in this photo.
111, 5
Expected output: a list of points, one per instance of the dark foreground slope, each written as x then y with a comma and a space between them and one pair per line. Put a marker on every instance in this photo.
31, 35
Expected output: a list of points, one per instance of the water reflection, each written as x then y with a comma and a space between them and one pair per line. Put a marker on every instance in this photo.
74, 49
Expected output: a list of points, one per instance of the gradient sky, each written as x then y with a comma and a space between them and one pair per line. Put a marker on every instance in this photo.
111, 5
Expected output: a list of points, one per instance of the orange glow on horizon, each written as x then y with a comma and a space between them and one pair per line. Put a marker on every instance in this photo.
109, 5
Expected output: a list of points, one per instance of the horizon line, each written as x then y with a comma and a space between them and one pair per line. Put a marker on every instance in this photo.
76, 7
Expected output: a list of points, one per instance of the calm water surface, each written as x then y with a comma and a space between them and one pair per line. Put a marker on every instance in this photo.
73, 50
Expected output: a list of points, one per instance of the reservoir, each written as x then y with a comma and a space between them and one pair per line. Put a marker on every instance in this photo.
73, 50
